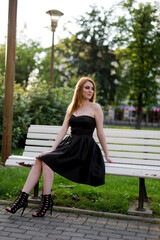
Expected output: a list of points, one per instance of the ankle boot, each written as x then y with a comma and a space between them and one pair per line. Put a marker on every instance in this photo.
20, 202
46, 203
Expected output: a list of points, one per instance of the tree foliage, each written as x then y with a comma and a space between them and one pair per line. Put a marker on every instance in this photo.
45, 64
140, 60
26, 60
89, 52
95, 55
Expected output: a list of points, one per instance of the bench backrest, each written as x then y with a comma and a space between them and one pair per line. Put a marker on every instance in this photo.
125, 146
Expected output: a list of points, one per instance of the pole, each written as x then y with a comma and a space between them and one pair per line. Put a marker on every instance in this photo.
9, 81
52, 63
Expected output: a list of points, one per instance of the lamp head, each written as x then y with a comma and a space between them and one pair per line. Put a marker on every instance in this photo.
55, 15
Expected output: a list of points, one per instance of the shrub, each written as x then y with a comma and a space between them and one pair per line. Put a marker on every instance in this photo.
38, 104
49, 105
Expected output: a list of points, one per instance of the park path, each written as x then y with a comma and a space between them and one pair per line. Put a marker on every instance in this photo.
71, 226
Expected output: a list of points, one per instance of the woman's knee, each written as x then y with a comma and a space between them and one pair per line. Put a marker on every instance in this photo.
38, 162
44, 165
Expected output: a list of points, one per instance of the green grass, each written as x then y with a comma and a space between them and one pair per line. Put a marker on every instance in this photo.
115, 196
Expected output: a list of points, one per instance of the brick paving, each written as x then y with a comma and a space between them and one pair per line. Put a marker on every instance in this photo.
71, 226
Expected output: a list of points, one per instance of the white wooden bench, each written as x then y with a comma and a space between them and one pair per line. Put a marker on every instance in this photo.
136, 153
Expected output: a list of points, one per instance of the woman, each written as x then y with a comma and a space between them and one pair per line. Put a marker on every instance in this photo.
77, 157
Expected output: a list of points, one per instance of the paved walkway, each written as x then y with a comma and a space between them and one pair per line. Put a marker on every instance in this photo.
70, 226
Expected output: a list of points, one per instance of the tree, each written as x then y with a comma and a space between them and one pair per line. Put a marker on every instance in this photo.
140, 33
96, 55
66, 52
44, 66
26, 60
89, 52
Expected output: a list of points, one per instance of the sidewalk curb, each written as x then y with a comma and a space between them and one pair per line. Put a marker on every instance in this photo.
94, 213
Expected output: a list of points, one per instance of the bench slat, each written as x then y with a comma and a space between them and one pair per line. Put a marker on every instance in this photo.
123, 170
132, 161
132, 141
34, 127
131, 133
31, 154
134, 155
39, 142
36, 149
48, 136
49, 129
133, 148
18, 157
13, 161
128, 166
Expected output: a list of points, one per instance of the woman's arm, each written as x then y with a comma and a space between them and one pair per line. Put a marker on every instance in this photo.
60, 135
100, 133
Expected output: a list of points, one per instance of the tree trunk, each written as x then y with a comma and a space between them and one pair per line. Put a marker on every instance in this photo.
139, 118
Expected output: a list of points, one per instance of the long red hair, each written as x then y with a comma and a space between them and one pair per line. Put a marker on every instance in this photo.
77, 96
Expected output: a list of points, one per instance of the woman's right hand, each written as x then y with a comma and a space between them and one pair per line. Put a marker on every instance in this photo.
43, 153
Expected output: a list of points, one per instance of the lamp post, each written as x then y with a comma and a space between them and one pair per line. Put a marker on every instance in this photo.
55, 15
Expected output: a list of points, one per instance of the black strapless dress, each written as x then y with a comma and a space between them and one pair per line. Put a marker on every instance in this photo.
78, 157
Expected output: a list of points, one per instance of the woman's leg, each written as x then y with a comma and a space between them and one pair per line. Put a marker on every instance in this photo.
48, 176
47, 202
31, 181
33, 176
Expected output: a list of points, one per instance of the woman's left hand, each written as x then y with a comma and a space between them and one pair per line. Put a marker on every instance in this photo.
109, 161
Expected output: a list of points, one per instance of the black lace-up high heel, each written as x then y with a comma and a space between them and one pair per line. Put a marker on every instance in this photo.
20, 202
46, 203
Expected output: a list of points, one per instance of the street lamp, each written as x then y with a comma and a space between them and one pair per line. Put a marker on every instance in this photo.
55, 15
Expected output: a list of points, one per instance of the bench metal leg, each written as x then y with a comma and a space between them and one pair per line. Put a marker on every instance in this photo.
35, 199
142, 194
36, 190
145, 193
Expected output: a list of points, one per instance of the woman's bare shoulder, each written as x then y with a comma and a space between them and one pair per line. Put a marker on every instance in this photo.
96, 106
96, 109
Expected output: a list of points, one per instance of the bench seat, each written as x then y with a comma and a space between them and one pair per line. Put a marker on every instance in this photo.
111, 169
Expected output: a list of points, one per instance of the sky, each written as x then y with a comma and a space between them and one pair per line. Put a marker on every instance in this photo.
32, 15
